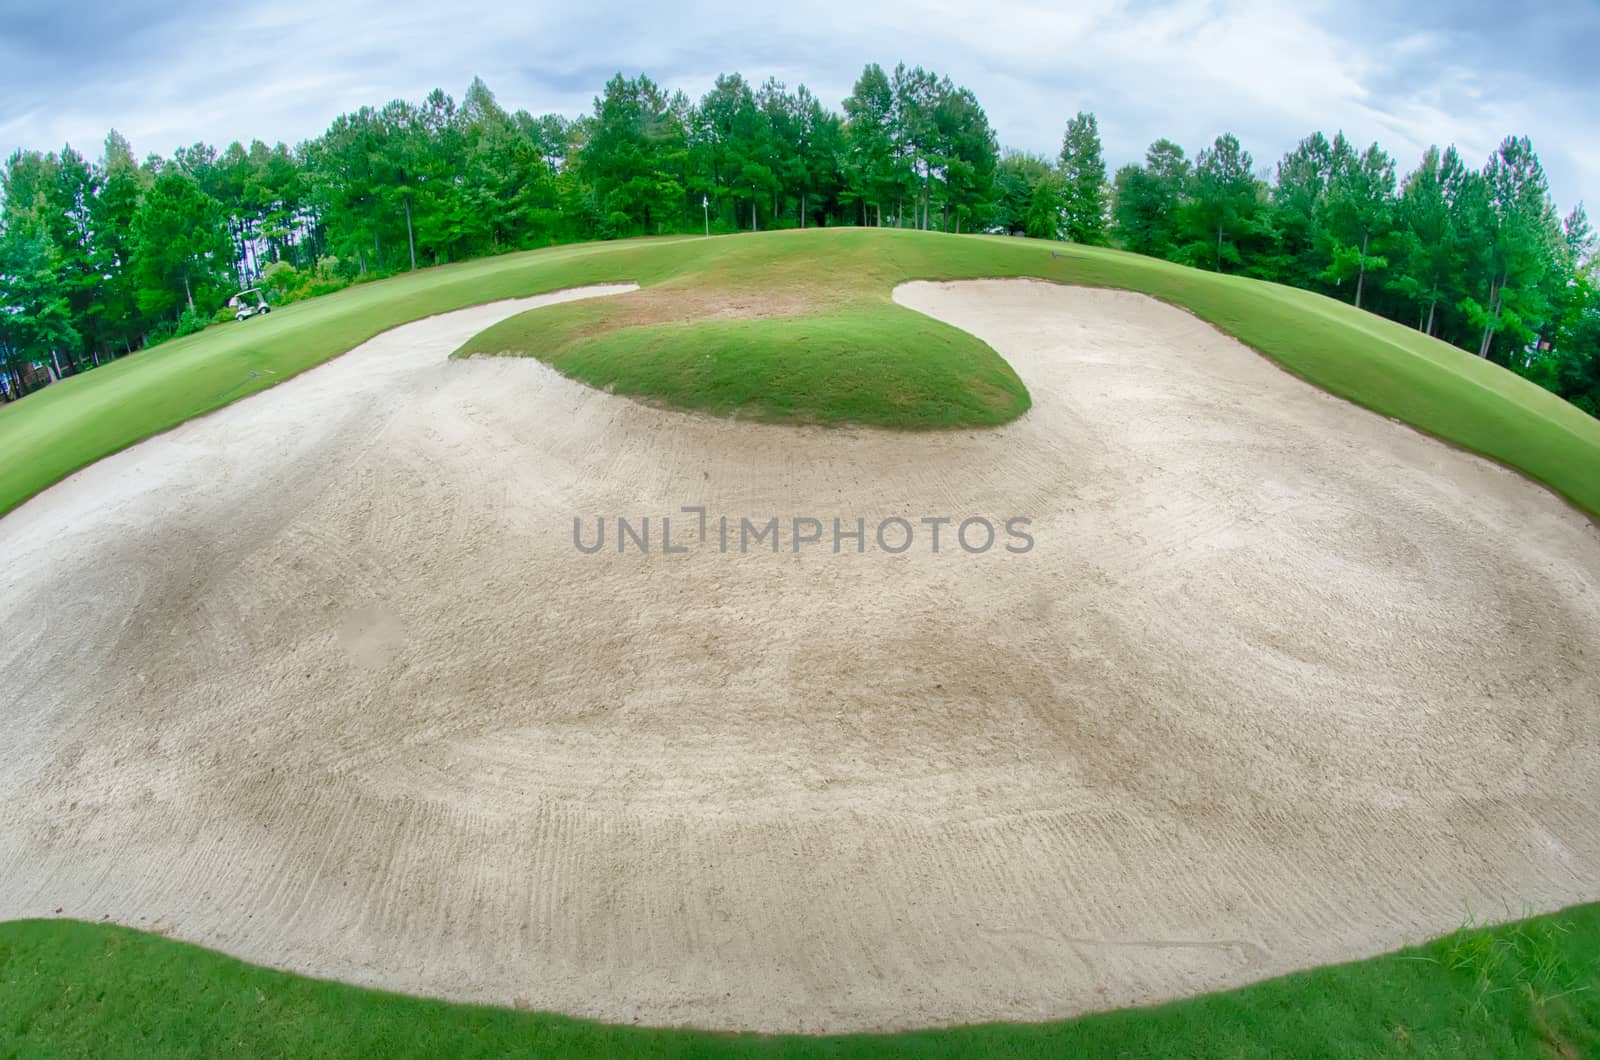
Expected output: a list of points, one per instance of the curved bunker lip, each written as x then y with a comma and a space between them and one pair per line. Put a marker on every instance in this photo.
321, 680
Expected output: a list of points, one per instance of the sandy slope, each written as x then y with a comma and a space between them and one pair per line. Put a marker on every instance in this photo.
322, 681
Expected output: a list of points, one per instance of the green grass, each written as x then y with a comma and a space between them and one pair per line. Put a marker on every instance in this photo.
851, 366
920, 374
1524, 989
850, 355
840, 350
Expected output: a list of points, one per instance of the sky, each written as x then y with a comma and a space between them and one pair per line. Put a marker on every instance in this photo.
1407, 75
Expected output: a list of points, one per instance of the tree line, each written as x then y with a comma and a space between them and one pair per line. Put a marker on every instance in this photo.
101, 258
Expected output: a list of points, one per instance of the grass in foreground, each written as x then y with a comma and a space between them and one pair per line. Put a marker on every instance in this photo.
839, 349
1526, 989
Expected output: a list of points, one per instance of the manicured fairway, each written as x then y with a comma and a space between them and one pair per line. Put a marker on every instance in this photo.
1525, 989
839, 349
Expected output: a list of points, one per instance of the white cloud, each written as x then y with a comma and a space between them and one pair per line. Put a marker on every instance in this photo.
1184, 69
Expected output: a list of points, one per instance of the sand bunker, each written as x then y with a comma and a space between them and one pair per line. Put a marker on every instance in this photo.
322, 681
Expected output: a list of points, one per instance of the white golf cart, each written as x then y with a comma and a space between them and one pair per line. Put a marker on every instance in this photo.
247, 304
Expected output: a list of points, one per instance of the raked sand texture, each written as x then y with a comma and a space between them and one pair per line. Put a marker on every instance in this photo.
321, 680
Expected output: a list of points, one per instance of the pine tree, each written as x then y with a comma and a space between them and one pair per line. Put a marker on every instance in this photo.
183, 253
1357, 216
1146, 205
1083, 184
1223, 210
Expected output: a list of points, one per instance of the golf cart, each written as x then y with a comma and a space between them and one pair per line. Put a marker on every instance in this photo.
247, 304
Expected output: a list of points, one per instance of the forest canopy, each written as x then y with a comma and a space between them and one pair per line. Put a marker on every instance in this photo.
101, 257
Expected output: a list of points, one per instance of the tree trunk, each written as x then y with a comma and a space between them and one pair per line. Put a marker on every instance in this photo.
802, 211
1495, 295
1431, 305
187, 293
754, 227
1219, 248
410, 236
1361, 270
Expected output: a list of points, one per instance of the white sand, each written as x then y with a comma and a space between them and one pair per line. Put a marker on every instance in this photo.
320, 680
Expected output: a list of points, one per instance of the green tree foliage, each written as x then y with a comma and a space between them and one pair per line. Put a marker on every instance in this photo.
1426, 249
1478, 258
1045, 211
916, 96
1566, 358
921, 146
1224, 209
633, 157
116, 317
1574, 367
1299, 199
1517, 238
823, 150
1357, 214
182, 251
873, 163
1017, 186
730, 148
967, 157
1146, 203
1083, 181
35, 299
